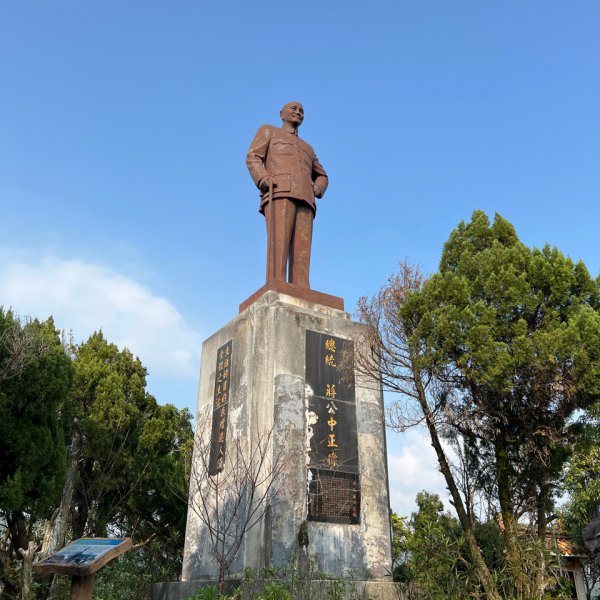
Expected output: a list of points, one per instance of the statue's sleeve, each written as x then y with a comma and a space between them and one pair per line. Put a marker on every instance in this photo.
319, 176
257, 154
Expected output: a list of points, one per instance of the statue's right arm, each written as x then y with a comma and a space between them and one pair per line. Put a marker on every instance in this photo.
257, 154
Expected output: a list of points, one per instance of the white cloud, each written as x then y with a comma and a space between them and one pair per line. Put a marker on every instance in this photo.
84, 297
412, 469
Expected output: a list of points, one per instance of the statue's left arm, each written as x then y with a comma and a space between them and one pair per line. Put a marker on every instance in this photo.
319, 177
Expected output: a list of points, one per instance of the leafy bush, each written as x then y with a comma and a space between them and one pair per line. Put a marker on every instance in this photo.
208, 593
274, 591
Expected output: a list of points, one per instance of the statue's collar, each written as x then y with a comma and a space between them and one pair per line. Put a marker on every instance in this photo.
290, 129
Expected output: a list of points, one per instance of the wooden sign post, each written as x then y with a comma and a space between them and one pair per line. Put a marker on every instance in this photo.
81, 559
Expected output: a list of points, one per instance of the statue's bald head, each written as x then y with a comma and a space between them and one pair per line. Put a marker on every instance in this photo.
293, 114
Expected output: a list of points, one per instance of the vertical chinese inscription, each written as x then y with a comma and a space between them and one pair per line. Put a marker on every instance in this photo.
334, 486
218, 439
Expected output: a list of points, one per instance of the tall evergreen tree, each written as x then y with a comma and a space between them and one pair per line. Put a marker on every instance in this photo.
514, 332
498, 352
37, 375
135, 453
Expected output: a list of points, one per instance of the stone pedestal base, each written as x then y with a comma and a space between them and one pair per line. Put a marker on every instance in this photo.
289, 289
266, 362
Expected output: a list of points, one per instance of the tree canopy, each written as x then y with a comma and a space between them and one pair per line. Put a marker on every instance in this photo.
86, 450
132, 446
501, 350
33, 392
515, 332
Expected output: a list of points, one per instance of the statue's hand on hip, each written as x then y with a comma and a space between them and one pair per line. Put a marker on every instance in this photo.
264, 183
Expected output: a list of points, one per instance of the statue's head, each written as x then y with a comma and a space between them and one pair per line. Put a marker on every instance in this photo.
292, 113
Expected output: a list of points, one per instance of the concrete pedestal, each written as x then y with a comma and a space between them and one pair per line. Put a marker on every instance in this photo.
268, 392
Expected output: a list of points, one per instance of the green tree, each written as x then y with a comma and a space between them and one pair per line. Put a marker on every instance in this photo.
582, 483
433, 554
400, 533
500, 348
582, 477
124, 470
37, 375
134, 459
392, 358
515, 332
163, 456
130, 445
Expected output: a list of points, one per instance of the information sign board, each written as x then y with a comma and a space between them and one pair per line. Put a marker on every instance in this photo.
84, 556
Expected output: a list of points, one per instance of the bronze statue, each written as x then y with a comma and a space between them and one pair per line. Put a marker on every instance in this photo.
289, 176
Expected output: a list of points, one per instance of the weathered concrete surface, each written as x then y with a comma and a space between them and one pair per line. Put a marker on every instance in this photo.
267, 391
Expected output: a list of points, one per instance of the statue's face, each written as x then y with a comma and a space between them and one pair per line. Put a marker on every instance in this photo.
292, 113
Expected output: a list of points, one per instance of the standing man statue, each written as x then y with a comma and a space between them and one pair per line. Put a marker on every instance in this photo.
289, 176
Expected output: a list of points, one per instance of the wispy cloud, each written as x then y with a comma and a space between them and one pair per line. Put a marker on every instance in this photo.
84, 296
412, 469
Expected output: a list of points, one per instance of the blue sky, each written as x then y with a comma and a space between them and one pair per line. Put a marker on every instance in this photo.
124, 198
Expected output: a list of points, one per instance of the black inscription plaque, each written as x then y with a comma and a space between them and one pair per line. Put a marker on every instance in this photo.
333, 497
334, 485
218, 438
330, 366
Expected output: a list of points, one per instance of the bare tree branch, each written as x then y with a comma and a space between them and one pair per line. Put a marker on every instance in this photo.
394, 358
232, 502
20, 344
